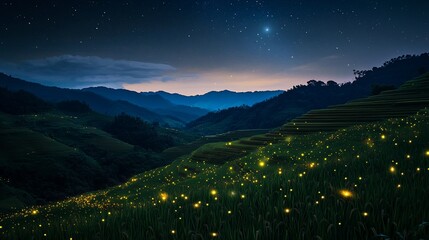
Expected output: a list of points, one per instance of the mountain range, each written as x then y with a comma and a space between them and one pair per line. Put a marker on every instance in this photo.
300, 99
165, 108
217, 100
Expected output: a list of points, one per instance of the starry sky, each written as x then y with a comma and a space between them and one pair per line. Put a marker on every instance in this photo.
193, 47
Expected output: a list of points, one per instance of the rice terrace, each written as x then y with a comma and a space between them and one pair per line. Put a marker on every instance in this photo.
207, 120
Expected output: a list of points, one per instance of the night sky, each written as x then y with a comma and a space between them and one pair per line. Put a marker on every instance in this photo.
197, 46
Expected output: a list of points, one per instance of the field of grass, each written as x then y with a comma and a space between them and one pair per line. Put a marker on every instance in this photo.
184, 149
366, 182
405, 101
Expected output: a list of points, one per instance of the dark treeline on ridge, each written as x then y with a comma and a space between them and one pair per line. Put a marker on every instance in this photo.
316, 94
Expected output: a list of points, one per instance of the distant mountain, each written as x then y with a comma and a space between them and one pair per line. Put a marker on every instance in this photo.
315, 95
153, 102
217, 100
96, 102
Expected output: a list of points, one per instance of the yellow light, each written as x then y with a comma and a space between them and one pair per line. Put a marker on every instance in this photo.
383, 136
312, 165
163, 196
214, 234
392, 169
346, 193
262, 164
103, 220
399, 186
427, 153
173, 231
365, 214
418, 169
243, 196
196, 205
213, 192
34, 212
229, 212
287, 210
1, 227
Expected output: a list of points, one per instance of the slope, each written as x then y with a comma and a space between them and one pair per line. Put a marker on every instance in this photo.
408, 99
51, 155
96, 102
323, 186
315, 95
405, 101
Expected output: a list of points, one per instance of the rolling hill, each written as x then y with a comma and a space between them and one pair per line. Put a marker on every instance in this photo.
406, 100
96, 102
315, 95
50, 152
323, 186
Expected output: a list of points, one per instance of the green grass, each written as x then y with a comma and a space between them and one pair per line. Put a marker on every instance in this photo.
184, 149
294, 194
405, 101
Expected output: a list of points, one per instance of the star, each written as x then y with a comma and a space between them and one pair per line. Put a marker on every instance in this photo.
267, 29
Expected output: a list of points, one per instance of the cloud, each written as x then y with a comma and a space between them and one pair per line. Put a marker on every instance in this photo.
84, 71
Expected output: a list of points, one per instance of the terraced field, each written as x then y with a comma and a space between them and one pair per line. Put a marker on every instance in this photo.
407, 100
402, 102
178, 151
317, 186
317, 183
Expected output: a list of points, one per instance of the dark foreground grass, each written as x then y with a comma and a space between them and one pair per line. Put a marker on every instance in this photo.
366, 182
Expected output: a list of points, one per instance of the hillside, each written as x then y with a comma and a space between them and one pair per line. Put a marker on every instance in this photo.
153, 102
408, 99
54, 155
315, 95
96, 102
324, 186
216, 100
50, 152
405, 101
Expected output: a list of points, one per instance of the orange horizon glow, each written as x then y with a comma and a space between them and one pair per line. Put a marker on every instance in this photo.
219, 81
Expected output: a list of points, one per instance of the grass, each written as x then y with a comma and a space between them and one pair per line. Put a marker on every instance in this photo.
369, 181
405, 101
185, 149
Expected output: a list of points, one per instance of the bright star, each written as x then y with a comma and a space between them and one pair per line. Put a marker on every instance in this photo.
267, 29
